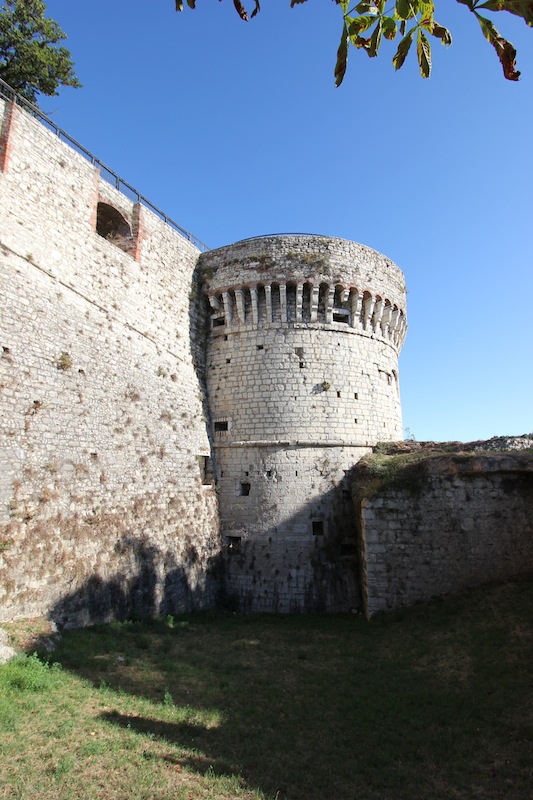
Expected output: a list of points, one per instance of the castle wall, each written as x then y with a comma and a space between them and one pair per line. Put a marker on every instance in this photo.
103, 507
458, 521
302, 372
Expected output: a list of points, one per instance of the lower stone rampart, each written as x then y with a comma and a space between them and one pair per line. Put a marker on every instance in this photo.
443, 524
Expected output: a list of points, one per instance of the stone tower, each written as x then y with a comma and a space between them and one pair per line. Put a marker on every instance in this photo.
302, 378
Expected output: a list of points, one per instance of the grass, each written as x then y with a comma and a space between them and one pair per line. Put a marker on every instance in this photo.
432, 702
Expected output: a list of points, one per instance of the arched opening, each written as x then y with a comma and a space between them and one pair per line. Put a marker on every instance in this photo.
276, 303
111, 225
341, 306
261, 304
306, 302
291, 302
323, 301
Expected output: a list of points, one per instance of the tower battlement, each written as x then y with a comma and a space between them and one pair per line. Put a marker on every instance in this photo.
305, 280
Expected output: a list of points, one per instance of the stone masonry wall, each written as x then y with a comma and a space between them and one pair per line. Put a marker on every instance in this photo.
302, 375
449, 522
105, 509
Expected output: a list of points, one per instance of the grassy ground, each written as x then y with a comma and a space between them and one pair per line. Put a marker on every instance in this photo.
434, 702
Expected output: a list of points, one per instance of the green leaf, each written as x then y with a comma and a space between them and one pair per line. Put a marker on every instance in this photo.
441, 33
370, 45
367, 8
360, 25
375, 40
504, 49
521, 8
403, 49
423, 51
405, 9
389, 28
342, 57
427, 9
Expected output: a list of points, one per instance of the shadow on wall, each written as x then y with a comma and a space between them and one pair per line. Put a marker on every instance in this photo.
155, 585
308, 562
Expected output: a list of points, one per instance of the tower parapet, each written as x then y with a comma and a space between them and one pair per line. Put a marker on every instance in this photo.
302, 375
288, 280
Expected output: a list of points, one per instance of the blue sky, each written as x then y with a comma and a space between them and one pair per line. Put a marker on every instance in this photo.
236, 130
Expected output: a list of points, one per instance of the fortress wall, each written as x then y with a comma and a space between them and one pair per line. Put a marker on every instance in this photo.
458, 521
103, 507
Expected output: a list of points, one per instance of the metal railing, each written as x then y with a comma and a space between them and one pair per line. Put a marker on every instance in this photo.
107, 174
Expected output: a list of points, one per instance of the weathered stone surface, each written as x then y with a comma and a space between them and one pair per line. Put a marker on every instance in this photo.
6, 652
449, 523
302, 376
103, 510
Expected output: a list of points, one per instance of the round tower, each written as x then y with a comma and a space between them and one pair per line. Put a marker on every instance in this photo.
302, 379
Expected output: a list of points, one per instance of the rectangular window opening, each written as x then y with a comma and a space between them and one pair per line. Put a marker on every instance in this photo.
339, 315
206, 468
228, 361
222, 425
355, 396
318, 527
218, 322
260, 346
244, 489
338, 394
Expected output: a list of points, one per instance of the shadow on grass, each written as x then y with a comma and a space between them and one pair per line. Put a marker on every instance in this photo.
427, 703
180, 734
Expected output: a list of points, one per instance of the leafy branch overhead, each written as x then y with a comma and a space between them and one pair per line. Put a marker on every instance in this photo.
366, 24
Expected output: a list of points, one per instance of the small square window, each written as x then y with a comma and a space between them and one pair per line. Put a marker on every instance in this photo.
233, 542
318, 527
244, 489
222, 425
